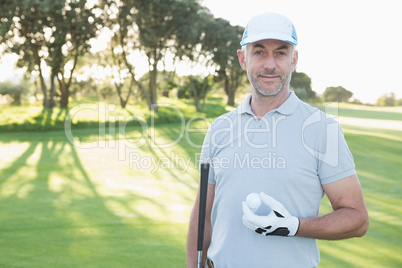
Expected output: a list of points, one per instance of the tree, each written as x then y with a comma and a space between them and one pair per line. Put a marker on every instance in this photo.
22, 31
155, 28
119, 20
75, 25
14, 91
301, 85
387, 99
222, 40
337, 94
169, 82
163, 26
196, 87
55, 32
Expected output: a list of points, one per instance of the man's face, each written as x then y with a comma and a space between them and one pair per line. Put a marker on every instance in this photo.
269, 64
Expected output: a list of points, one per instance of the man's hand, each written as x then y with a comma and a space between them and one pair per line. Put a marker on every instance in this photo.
278, 222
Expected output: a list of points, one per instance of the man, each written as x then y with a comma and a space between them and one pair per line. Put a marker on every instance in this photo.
283, 149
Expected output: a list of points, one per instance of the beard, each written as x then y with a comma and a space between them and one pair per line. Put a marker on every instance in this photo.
284, 81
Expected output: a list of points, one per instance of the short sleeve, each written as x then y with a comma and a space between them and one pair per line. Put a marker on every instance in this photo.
335, 160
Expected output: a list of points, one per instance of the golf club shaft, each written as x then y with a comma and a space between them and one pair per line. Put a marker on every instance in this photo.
201, 211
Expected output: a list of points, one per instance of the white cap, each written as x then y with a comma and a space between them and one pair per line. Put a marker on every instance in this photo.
269, 26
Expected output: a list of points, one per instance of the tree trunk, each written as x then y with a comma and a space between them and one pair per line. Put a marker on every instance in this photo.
123, 103
64, 93
233, 82
64, 99
230, 92
65, 87
52, 92
205, 86
37, 89
135, 81
17, 99
153, 88
231, 98
43, 87
196, 96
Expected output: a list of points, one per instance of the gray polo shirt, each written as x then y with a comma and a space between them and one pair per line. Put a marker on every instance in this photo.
288, 154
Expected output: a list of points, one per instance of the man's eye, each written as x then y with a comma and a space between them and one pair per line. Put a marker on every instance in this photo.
259, 52
281, 53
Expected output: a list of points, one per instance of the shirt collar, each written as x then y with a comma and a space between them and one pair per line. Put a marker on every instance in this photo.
290, 104
245, 107
287, 108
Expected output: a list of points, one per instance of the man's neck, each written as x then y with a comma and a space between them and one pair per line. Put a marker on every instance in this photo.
261, 105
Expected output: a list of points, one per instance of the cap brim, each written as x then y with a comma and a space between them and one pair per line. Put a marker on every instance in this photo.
255, 38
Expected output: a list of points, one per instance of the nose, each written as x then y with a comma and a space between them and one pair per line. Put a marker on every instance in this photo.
270, 63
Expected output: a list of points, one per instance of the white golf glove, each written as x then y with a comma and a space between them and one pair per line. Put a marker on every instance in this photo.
278, 222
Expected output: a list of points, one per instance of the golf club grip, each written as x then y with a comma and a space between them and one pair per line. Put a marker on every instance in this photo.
202, 205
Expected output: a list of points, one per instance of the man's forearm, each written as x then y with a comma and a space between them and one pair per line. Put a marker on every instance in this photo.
340, 224
192, 240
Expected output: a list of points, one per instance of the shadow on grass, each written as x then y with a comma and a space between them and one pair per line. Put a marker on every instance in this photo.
54, 215
89, 115
56, 211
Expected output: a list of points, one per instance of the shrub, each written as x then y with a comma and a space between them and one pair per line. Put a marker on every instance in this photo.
15, 91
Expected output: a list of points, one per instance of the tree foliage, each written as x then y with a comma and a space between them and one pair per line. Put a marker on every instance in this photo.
337, 94
387, 99
222, 41
55, 32
156, 28
301, 85
166, 26
196, 88
118, 18
14, 91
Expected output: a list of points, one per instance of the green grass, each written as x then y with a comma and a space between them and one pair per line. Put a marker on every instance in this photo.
378, 160
92, 205
64, 206
361, 111
88, 114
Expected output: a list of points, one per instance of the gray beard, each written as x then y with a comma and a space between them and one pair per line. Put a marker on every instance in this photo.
261, 92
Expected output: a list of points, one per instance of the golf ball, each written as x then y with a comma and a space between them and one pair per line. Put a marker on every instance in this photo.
253, 200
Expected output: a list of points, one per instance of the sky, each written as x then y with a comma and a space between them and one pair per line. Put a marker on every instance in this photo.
349, 43
352, 43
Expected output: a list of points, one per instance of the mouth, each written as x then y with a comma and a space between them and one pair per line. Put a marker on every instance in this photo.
269, 78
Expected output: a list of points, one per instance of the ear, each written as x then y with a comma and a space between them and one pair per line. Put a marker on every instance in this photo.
295, 60
242, 59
